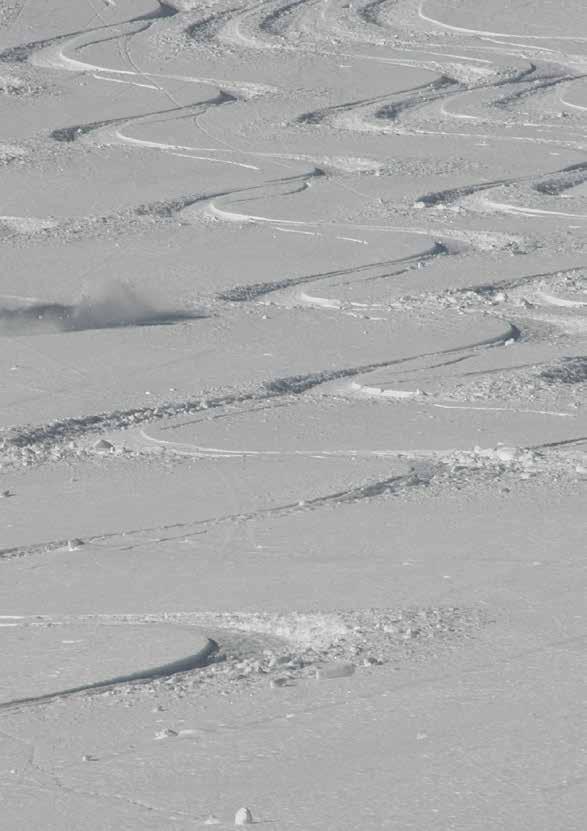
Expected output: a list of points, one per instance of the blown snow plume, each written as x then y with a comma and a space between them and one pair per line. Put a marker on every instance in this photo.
113, 305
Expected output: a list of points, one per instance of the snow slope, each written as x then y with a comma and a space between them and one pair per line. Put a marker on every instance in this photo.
293, 447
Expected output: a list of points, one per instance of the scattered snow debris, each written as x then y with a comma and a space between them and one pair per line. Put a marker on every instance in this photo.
335, 671
104, 446
278, 650
10, 153
238, 454
243, 817
506, 454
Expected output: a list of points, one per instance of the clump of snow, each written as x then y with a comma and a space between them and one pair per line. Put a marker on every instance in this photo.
168, 733
243, 817
507, 455
183, 5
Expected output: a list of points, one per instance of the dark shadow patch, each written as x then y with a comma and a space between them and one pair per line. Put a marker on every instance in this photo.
370, 12
440, 88
318, 116
451, 195
571, 370
271, 23
208, 27
569, 177
164, 10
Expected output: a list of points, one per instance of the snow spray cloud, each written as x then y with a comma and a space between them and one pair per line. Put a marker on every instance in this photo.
112, 305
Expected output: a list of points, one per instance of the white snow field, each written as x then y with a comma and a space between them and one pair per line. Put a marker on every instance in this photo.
293, 434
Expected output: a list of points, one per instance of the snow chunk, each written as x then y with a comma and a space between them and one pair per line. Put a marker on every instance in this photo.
243, 817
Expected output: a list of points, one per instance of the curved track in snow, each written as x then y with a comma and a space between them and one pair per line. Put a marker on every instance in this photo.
276, 276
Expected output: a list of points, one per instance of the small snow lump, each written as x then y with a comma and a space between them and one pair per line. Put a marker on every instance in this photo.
243, 817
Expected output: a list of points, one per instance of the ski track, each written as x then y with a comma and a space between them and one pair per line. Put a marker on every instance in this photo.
59, 432
276, 21
481, 90
254, 646
269, 25
196, 661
